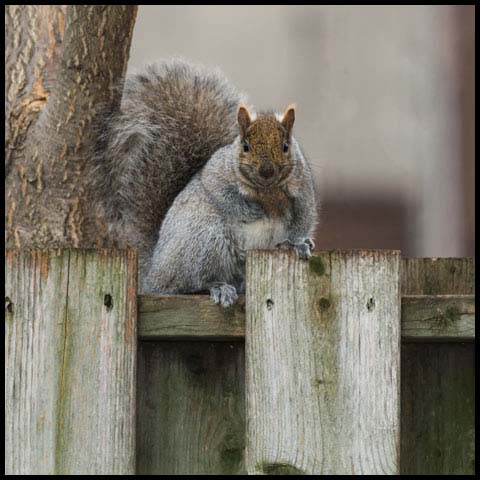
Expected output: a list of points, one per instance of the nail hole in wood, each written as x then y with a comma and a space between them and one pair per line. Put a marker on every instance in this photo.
370, 304
8, 305
108, 301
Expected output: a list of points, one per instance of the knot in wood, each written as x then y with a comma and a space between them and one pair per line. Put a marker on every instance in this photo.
324, 304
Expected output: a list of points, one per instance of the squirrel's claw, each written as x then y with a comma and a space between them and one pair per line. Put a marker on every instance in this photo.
309, 241
223, 294
303, 249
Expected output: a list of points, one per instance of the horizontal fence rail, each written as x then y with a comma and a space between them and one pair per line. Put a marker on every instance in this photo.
424, 318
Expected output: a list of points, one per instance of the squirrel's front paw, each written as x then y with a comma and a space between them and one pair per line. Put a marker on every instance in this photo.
223, 294
303, 249
309, 241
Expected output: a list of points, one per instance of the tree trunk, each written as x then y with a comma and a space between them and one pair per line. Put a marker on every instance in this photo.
62, 64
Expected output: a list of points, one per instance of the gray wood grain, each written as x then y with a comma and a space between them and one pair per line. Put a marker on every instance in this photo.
322, 363
195, 317
191, 408
438, 276
189, 316
35, 302
70, 362
438, 389
438, 318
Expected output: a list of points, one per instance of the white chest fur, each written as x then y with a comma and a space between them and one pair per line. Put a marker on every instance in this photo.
262, 234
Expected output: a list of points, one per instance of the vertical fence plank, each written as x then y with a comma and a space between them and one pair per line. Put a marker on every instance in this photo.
70, 362
438, 409
438, 389
35, 300
191, 408
322, 363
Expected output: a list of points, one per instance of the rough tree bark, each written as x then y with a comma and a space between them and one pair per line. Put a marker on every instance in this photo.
62, 63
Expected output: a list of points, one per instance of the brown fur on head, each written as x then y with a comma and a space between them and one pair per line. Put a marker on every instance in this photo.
265, 147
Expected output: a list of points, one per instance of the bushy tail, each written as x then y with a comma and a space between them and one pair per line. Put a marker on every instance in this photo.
173, 117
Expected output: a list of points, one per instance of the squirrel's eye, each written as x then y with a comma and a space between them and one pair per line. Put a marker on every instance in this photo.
245, 147
285, 147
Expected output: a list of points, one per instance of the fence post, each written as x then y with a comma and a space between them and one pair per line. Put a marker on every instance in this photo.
322, 363
70, 342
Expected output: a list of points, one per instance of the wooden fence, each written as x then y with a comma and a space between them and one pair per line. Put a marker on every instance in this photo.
357, 362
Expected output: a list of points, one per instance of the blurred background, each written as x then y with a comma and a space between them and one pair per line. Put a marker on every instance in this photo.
385, 107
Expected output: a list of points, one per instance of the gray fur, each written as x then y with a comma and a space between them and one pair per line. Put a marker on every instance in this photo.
174, 115
175, 143
200, 245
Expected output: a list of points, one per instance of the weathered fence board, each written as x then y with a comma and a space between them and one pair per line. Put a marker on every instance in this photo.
191, 408
70, 362
195, 317
438, 409
438, 318
438, 276
34, 339
189, 317
318, 398
438, 416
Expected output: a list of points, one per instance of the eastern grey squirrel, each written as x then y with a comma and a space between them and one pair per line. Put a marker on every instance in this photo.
183, 140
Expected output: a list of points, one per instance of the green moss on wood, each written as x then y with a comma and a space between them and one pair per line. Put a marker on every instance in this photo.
452, 314
231, 459
317, 266
324, 304
279, 469
231, 454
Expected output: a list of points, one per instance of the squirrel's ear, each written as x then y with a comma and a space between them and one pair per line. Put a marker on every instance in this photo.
289, 118
244, 120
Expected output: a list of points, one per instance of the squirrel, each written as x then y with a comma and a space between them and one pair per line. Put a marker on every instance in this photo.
184, 142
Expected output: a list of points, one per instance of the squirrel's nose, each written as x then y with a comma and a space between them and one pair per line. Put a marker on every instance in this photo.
266, 171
